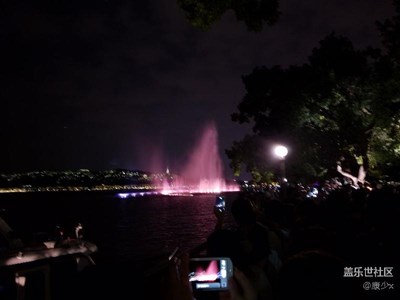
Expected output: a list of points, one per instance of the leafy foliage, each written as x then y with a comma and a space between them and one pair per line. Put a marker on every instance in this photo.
340, 106
254, 13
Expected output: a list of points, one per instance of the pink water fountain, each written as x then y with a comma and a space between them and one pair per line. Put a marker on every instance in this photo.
203, 172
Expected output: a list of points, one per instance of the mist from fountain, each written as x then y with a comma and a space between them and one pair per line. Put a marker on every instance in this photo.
203, 172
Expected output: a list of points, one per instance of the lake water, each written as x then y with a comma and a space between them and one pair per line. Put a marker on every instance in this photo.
131, 234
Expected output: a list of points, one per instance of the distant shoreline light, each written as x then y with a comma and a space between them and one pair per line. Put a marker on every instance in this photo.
77, 188
123, 190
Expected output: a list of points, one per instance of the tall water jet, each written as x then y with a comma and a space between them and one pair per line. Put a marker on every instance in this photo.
203, 172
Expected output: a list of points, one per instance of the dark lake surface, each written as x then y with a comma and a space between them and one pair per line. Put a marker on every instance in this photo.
132, 234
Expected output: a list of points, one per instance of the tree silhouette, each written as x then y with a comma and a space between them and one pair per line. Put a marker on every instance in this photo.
342, 104
254, 13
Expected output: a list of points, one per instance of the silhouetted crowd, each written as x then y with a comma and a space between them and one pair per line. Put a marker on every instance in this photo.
324, 242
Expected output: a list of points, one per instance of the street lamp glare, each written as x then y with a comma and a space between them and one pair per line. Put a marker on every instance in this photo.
281, 151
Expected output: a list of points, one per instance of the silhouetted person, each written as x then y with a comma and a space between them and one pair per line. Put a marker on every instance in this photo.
314, 275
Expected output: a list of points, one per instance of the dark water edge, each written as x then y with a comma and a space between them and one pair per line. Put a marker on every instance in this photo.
134, 235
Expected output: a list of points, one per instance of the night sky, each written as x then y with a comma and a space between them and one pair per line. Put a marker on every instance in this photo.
130, 84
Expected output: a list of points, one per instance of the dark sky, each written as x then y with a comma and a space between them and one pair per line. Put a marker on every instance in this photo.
130, 84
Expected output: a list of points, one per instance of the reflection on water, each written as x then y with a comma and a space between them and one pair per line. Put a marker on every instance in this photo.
131, 234
125, 230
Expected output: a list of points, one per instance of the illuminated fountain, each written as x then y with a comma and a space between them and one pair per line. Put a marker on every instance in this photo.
203, 172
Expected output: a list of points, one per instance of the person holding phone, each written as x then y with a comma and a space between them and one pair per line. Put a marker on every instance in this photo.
220, 203
219, 212
179, 287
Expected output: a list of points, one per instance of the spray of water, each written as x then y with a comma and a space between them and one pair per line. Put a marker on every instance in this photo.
203, 172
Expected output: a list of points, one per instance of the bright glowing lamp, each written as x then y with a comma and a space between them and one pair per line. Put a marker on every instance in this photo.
281, 151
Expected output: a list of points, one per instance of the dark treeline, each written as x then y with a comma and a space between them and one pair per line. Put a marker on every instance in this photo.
75, 178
